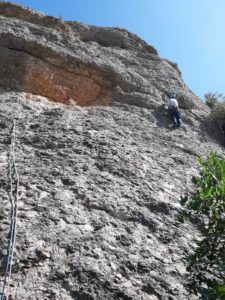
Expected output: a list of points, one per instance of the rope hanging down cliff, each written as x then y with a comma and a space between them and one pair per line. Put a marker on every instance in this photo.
13, 197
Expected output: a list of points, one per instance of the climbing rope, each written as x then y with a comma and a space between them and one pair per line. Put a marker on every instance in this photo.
13, 197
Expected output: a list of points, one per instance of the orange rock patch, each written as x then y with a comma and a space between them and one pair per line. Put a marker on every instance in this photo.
83, 88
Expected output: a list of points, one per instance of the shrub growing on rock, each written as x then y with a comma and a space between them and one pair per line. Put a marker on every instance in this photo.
185, 101
206, 265
212, 98
218, 115
211, 102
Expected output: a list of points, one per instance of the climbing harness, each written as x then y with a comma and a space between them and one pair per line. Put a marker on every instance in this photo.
13, 197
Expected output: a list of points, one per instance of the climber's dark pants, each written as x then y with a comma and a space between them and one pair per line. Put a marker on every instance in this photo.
175, 116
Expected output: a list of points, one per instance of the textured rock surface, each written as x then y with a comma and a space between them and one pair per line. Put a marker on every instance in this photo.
115, 64
99, 185
99, 190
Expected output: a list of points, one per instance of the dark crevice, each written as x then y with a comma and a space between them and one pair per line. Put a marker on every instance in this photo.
46, 61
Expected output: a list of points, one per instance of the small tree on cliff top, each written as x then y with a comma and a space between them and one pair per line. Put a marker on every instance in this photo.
206, 265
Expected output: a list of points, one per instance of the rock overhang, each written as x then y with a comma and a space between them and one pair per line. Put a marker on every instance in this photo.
25, 72
72, 63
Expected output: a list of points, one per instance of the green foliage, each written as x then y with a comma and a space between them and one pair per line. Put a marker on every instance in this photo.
206, 265
212, 98
211, 102
185, 101
216, 101
218, 113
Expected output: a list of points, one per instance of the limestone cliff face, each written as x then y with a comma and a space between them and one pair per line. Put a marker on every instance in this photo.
99, 181
71, 62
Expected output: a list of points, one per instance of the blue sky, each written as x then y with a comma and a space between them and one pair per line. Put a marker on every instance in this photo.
188, 32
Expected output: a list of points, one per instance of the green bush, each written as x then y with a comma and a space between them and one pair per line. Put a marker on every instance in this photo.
212, 98
216, 101
206, 265
185, 101
211, 102
218, 114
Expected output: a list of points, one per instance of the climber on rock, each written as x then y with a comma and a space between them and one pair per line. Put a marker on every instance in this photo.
174, 113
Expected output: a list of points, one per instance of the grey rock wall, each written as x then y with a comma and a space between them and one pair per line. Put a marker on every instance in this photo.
98, 199
99, 184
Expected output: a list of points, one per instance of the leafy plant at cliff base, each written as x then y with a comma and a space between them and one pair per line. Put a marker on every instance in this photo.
206, 266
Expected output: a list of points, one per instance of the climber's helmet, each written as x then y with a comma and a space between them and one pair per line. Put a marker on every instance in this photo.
172, 95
